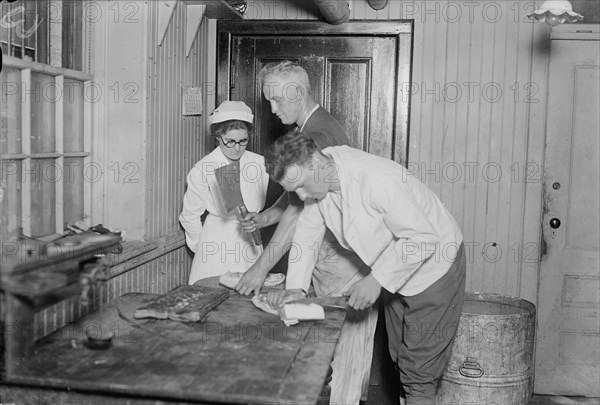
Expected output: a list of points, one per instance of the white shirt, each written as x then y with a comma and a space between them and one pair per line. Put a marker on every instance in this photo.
202, 191
395, 224
315, 108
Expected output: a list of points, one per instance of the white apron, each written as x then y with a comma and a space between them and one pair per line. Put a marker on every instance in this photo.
221, 245
336, 270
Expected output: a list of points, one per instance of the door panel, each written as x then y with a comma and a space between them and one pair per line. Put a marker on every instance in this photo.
349, 101
341, 73
568, 345
355, 72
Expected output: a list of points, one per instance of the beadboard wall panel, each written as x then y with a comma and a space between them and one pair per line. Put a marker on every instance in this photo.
477, 96
174, 141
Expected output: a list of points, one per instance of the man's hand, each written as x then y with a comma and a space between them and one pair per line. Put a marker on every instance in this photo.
251, 221
364, 293
252, 280
278, 298
275, 298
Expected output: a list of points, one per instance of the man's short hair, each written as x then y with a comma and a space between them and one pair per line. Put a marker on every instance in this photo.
294, 148
285, 69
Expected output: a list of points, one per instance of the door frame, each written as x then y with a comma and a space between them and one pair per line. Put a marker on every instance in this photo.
401, 29
549, 277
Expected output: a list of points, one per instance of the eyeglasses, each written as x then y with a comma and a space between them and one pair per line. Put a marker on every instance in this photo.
230, 143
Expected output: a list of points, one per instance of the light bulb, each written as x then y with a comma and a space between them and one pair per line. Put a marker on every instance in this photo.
553, 20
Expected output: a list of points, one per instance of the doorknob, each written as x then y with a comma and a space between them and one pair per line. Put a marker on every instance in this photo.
554, 223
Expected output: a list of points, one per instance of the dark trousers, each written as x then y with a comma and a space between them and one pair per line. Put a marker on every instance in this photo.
421, 329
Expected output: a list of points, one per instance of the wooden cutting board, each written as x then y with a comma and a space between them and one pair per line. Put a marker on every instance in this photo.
186, 303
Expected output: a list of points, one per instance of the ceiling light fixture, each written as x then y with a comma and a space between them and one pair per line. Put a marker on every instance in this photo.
555, 12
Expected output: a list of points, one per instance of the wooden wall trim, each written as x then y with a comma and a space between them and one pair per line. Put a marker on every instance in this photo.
131, 250
11, 61
310, 27
143, 252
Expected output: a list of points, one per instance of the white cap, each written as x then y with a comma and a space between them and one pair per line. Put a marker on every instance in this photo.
231, 110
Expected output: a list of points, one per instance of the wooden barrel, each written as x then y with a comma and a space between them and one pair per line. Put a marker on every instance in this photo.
492, 355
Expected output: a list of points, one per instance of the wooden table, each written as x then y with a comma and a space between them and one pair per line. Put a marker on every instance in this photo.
238, 354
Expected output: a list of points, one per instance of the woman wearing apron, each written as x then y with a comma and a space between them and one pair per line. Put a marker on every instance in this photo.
220, 244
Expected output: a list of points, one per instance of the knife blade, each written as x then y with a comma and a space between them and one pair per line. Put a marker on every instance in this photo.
332, 302
228, 180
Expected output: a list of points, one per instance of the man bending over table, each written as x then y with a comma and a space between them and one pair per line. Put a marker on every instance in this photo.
400, 229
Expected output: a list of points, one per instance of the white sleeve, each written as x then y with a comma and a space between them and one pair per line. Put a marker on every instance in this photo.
414, 237
194, 206
306, 244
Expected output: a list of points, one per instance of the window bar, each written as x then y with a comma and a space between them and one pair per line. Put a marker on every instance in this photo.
55, 35
26, 150
23, 28
88, 97
3, 31
9, 39
35, 42
87, 42
60, 161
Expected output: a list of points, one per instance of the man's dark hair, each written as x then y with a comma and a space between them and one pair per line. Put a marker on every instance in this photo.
292, 148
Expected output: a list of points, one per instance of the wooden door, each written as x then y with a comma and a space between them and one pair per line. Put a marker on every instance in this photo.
568, 338
356, 72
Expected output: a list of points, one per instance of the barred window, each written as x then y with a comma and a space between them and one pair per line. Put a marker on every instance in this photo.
45, 118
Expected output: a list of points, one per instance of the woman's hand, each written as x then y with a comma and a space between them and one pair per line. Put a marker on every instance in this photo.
251, 221
252, 280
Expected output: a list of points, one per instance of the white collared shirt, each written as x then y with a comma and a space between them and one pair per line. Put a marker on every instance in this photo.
395, 224
202, 191
315, 108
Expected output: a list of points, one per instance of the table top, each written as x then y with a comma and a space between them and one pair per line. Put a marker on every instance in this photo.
237, 354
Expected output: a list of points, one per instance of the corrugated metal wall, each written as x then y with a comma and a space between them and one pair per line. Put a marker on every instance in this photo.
174, 141
478, 87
